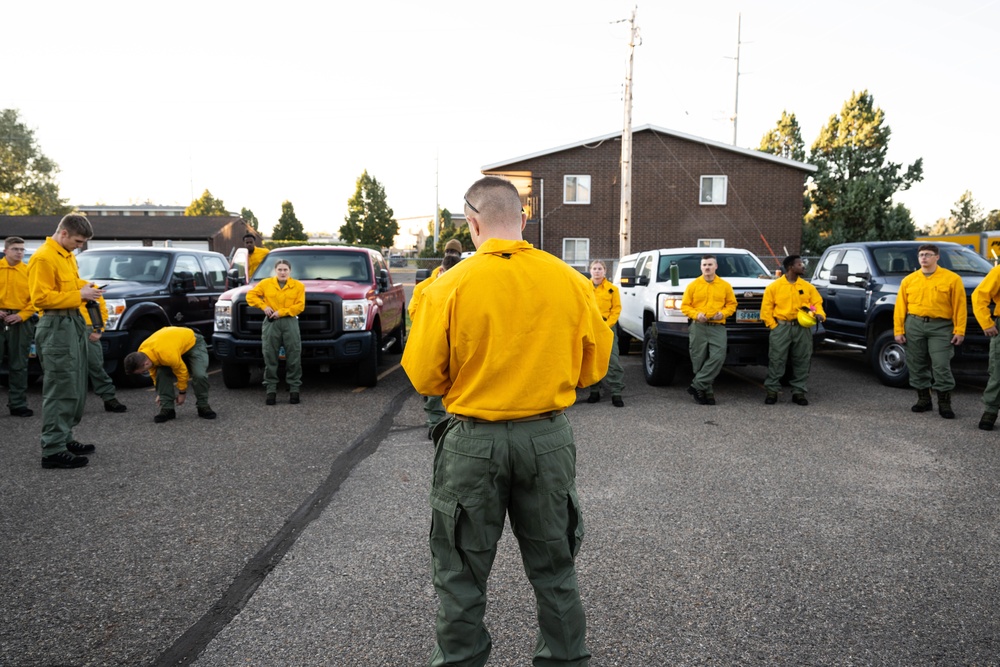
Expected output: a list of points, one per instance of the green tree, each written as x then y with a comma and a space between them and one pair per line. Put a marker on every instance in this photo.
369, 219
251, 219
785, 139
27, 176
288, 228
853, 188
206, 205
992, 221
968, 214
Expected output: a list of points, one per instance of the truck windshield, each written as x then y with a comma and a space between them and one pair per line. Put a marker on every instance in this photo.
742, 265
324, 265
902, 260
121, 264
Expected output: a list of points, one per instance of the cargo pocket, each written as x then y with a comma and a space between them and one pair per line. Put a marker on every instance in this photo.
575, 528
444, 518
555, 459
462, 465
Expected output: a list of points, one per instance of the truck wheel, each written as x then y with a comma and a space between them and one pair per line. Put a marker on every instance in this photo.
399, 333
624, 342
888, 360
235, 376
659, 363
122, 379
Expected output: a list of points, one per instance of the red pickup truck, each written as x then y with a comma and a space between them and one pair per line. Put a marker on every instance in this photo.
354, 313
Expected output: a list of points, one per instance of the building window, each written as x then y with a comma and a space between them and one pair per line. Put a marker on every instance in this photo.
576, 189
711, 243
576, 252
713, 190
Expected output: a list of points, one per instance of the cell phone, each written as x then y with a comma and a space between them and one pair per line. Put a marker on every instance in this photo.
99, 286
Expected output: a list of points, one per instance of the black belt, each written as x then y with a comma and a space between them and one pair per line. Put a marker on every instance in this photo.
929, 319
533, 418
62, 312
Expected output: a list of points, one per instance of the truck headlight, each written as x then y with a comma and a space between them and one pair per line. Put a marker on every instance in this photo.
223, 315
355, 315
670, 305
116, 308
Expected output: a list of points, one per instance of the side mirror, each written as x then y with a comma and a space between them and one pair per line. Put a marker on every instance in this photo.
383, 280
234, 278
182, 282
423, 274
628, 277
839, 274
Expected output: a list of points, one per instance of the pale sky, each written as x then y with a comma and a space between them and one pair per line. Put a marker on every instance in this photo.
293, 100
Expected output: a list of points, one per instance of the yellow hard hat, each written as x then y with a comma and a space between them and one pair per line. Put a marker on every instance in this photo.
807, 318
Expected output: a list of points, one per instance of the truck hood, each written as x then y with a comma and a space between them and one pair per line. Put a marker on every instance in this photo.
346, 289
739, 284
121, 289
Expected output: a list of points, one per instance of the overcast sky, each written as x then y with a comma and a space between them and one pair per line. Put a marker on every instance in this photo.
292, 101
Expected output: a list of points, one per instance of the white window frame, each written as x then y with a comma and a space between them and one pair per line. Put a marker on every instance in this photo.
575, 260
711, 243
581, 182
715, 194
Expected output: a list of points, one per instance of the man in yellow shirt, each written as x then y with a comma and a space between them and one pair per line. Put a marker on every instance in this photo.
57, 290
453, 248
99, 379
708, 301
929, 320
507, 374
988, 292
783, 299
609, 303
17, 324
255, 255
433, 407
174, 354
282, 298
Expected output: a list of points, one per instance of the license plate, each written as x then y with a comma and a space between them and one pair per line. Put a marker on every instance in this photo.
747, 316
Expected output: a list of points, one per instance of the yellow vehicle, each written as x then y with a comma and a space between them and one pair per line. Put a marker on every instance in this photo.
986, 244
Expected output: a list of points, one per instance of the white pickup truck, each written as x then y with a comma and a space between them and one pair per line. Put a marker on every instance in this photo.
651, 306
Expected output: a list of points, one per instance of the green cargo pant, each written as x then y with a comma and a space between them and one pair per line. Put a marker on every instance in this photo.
482, 473
62, 349
991, 395
14, 343
274, 334
615, 379
784, 337
196, 361
707, 345
929, 352
99, 378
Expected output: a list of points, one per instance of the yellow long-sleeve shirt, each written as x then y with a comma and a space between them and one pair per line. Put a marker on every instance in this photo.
783, 299
418, 291
701, 296
508, 333
289, 300
986, 293
14, 294
165, 348
940, 295
53, 278
254, 259
609, 301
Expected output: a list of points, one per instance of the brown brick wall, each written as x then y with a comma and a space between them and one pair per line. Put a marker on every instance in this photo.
763, 198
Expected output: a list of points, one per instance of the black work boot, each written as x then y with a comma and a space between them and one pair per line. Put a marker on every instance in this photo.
944, 405
923, 403
987, 421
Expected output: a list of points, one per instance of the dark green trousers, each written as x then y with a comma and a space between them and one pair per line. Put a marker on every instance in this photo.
991, 395
99, 378
707, 346
798, 340
14, 343
274, 334
196, 361
62, 348
615, 379
484, 472
929, 352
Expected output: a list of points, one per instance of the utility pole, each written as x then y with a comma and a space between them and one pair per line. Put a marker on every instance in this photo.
437, 207
736, 104
624, 232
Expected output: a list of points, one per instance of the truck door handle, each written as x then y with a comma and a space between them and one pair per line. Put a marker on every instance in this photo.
831, 292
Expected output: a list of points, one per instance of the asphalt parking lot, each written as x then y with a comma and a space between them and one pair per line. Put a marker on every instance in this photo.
847, 532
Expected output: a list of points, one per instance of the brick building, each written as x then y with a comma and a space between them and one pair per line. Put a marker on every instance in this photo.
686, 191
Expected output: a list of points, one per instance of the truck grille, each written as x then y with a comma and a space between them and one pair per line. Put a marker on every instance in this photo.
743, 302
319, 320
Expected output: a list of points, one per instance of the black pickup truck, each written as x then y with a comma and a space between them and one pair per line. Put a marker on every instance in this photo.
859, 283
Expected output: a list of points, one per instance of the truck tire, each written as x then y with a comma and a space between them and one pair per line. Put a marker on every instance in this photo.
624, 342
235, 376
888, 360
368, 367
659, 364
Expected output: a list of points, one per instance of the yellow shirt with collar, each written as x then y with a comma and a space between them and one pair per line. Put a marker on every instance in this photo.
166, 347
509, 332
701, 296
784, 299
254, 259
940, 295
289, 300
609, 301
987, 292
53, 278
14, 293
